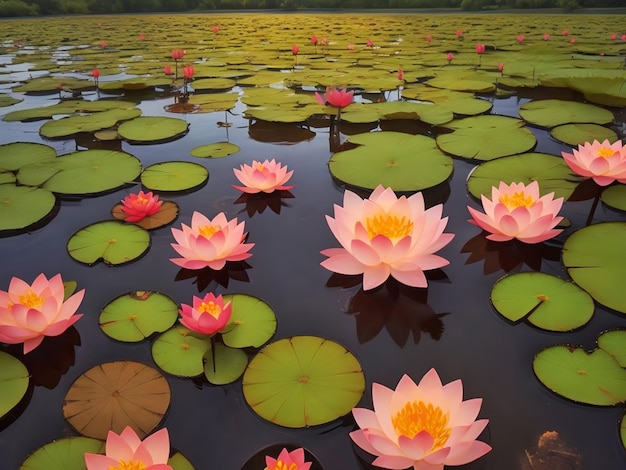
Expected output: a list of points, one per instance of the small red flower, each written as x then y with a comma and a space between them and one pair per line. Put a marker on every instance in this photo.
95, 73
188, 71
295, 49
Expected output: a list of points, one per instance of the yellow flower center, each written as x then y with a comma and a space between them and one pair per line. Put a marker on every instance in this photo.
31, 300
517, 200
605, 152
142, 200
258, 166
390, 226
417, 416
280, 465
211, 308
130, 465
207, 231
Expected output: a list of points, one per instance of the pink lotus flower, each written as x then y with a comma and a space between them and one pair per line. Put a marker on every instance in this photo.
546, 37
350, 47
286, 460
215, 29
167, 70
103, 44
30, 313
572, 41
517, 211
604, 162
520, 38
266, 177
207, 315
139, 206
449, 57
314, 40
623, 37
142, 37
400, 74
324, 42
423, 426
127, 451
459, 33
210, 242
480, 48
429, 38
335, 97
565, 32
387, 236
613, 37
188, 72
295, 49
178, 54
500, 67
95, 73
369, 43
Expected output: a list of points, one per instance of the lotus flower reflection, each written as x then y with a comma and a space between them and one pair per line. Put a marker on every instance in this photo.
424, 426
139, 206
387, 236
604, 162
207, 315
265, 177
29, 313
127, 451
517, 211
286, 460
210, 243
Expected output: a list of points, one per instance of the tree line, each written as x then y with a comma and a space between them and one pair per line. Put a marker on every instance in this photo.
64, 7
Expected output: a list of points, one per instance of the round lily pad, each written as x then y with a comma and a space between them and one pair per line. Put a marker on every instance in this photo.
167, 214
207, 84
615, 197
15, 155
546, 301
63, 454
22, 206
180, 351
595, 258
303, 381
174, 176
594, 378
135, 316
403, 162
114, 395
88, 123
13, 382
217, 150
252, 322
550, 113
152, 129
579, 133
552, 174
111, 241
224, 365
614, 342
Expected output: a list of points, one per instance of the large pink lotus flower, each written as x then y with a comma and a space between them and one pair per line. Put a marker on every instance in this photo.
266, 177
207, 315
286, 460
128, 452
424, 426
139, 206
29, 313
387, 236
517, 211
335, 97
604, 162
210, 243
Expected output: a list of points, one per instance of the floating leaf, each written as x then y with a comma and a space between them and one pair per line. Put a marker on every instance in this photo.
217, 150
63, 454
152, 129
180, 351
615, 196
22, 206
303, 381
550, 113
174, 176
576, 134
167, 214
252, 322
90, 123
67, 107
614, 342
179, 462
211, 84
135, 316
13, 382
15, 155
224, 365
111, 241
114, 395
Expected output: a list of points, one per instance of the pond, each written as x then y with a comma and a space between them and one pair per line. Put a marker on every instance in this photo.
391, 330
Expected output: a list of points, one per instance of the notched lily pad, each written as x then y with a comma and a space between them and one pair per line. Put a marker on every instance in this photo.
180, 351
550, 113
614, 342
22, 206
174, 176
152, 129
252, 322
14, 379
216, 150
63, 454
224, 365
576, 134
615, 197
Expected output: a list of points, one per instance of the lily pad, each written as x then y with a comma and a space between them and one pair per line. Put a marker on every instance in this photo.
22, 206
111, 241
174, 176
15, 155
595, 258
403, 162
252, 322
615, 197
180, 351
594, 378
179, 462
13, 382
224, 365
152, 129
167, 214
90, 123
66, 107
114, 395
63, 454
210, 84
546, 301
217, 150
614, 342
135, 316
303, 381
622, 431
576, 134
550, 113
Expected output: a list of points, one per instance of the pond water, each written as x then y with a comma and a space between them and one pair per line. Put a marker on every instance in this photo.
450, 326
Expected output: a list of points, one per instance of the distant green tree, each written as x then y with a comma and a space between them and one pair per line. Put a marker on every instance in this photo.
472, 5
569, 5
17, 8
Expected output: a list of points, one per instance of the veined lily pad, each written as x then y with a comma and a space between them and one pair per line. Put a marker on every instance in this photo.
111, 241
224, 365
546, 301
595, 258
575, 134
614, 342
22, 206
252, 322
550, 113
167, 213
15, 155
114, 395
13, 382
403, 162
90, 123
303, 381
135, 316
217, 150
152, 129
615, 196
594, 378
63, 454
180, 351
174, 176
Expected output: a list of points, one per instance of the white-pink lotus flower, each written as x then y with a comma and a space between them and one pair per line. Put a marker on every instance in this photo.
29, 313
265, 177
210, 243
387, 236
423, 426
604, 162
517, 211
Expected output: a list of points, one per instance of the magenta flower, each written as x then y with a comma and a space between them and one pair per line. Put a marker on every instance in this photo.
480, 48
139, 206
336, 97
449, 57
286, 460
207, 315
265, 177
604, 162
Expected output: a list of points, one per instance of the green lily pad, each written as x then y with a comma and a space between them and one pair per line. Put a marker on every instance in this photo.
546, 301
579, 133
252, 322
135, 316
152, 129
63, 454
173, 176
7, 101
403, 162
180, 351
506, 136
167, 214
622, 431
111, 241
67, 107
595, 259
216, 150
615, 196
303, 381
614, 342
594, 378
210, 84
550, 113
90, 123
22, 206
224, 365
15, 155
7, 178
179, 462
552, 174
14, 379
